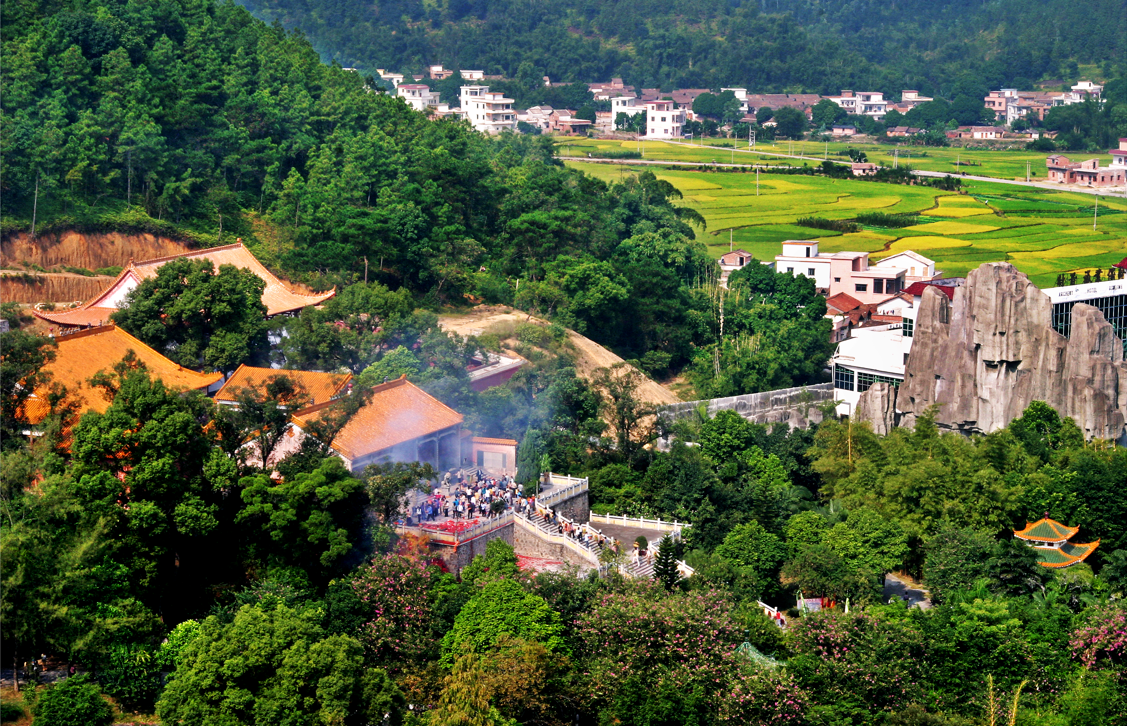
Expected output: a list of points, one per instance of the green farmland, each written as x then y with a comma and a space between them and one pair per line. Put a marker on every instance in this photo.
1001, 164
1043, 233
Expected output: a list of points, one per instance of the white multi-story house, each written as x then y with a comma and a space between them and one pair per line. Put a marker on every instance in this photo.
472, 75
417, 95
488, 112
627, 103
664, 120
913, 98
741, 96
862, 103
393, 78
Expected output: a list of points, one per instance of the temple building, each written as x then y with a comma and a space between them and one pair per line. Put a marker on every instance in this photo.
81, 354
1051, 540
277, 298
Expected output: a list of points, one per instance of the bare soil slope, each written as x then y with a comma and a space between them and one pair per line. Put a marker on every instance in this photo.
57, 287
91, 251
590, 356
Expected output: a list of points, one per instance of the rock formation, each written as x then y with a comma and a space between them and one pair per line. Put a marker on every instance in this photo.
878, 406
984, 357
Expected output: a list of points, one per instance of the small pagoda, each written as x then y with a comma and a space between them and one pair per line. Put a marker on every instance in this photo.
1051, 540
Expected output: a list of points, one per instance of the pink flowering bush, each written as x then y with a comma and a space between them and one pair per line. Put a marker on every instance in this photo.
766, 696
645, 633
860, 663
1100, 638
395, 592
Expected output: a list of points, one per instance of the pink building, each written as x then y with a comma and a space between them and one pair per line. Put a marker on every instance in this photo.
843, 272
1090, 173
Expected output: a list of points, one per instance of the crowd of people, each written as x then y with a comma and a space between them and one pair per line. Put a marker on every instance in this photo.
462, 498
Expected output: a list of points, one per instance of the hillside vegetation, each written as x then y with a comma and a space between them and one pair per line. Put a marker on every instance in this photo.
945, 47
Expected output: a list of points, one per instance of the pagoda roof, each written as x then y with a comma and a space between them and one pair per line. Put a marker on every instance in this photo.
1066, 555
276, 296
1046, 530
320, 387
397, 412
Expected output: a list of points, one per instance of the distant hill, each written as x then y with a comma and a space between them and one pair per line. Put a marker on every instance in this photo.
944, 47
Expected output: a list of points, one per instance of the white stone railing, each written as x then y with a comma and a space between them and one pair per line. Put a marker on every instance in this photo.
569, 486
560, 539
640, 522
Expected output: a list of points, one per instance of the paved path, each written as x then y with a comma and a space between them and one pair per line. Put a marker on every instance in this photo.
799, 157
893, 585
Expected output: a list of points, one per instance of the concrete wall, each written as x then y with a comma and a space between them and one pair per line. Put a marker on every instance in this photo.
798, 407
531, 542
577, 508
458, 557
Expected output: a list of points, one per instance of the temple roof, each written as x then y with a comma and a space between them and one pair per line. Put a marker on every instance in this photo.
1046, 530
1067, 554
320, 387
80, 355
276, 297
397, 412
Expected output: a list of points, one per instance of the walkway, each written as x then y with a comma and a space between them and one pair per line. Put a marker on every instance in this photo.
904, 589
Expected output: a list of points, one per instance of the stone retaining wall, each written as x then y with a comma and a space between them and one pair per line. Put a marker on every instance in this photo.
529, 541
797, 407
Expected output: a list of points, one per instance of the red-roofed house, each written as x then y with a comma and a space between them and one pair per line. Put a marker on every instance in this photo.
277, 298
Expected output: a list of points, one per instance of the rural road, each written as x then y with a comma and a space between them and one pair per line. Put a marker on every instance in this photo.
662, 162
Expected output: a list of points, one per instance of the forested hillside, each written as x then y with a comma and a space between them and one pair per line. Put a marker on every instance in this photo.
785, 45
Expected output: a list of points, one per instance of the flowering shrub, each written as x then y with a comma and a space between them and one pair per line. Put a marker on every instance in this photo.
858, 661
394, 590
766, 696
1100, 638
641, 631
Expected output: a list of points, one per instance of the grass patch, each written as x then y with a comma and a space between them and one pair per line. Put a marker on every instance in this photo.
889, 221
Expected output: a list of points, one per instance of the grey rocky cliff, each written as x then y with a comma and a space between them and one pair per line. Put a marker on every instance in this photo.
986, 355
877, 405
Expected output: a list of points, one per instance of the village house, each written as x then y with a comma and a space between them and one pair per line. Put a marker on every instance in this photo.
732, 261
472, 75
848, 272
843, 130
607, 91
278, 299
863, 103
664, 120
417, 95
1090, 173
902, 131
537, 116
564, 121
491, 113
802, 101
911, 99
741, 96
1086, 90
393, 78
438, 73
626, 103
864, 168
82, 353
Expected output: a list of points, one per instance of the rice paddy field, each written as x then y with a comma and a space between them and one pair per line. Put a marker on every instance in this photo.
1041, 232
1002, 164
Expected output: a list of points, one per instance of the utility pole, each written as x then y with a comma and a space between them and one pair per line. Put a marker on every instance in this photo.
730, 232
1096, 212
1027, 170
757, 181
896, 159
827, 154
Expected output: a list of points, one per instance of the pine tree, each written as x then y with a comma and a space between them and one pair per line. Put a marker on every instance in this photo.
665, 564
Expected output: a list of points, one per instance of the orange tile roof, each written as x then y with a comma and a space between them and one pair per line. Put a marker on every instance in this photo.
486, 440
397, 412
276, 297
1067, 555
320, 387
80, 355
1046, 530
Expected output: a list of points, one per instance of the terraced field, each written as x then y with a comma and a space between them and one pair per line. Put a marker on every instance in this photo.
1043, 233
1002, 164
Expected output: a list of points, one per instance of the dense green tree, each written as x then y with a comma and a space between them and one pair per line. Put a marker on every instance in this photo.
311, 520
21, 374
501, 608
956, 560
276, 666
200, 316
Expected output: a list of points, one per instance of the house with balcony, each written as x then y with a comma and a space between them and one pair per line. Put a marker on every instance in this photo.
862, 103
417, 95
1089, 173
911, 99
438, 73
488, 112
472, 75
664, 120
838, 272
393, 78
